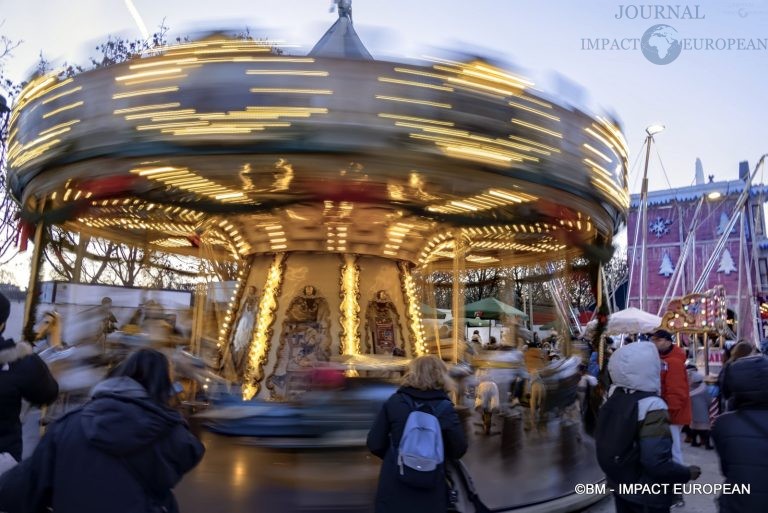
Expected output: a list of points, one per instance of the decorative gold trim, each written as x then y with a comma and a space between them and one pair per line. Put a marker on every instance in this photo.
349, 281
262, 335
412, 309
225, 332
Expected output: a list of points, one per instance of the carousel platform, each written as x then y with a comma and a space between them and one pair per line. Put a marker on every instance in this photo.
520, 470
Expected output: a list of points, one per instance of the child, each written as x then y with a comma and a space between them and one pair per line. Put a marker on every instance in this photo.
700, 401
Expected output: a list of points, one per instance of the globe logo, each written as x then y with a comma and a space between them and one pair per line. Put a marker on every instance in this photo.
661, 44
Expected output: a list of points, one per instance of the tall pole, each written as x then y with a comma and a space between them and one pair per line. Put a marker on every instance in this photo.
33, 292
458, 297
631, 266
741, 262
644, 227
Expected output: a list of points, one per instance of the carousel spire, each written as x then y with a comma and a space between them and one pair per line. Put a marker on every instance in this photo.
341, 40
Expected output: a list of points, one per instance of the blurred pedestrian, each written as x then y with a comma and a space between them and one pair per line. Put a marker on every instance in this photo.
23, 375
588, 404
633, 439
700, 401
674, 391
741, 436
122, 452
426, 386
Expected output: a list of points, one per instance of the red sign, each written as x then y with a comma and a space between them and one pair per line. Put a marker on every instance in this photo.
715, 356
478, 314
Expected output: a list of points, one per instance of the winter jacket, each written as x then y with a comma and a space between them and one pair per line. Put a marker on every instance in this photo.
593, 367
122, 452
741, 436
636, 368
23, 375
392, 495
674, 386
700, 401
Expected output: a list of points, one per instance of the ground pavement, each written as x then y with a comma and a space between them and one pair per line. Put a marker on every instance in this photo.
710, 473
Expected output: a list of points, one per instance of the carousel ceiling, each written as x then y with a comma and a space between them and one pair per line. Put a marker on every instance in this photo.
228, 144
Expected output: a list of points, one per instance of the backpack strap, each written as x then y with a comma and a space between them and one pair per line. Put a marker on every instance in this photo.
408, 401
436, 410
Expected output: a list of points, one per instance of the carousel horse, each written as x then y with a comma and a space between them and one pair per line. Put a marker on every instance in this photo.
553, 390
487, 402
76, 367
48, 329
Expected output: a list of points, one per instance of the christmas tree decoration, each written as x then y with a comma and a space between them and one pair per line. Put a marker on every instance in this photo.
723, 224
666, 268
727, 265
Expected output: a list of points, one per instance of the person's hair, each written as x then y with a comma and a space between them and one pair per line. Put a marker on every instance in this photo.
150, 369
741, 349
428, 373
475, 332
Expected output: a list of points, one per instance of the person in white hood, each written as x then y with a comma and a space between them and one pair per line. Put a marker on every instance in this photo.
633, 439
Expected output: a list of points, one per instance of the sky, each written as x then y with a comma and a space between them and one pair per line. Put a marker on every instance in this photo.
713, 102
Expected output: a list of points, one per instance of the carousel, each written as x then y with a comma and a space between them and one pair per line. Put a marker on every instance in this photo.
332, 181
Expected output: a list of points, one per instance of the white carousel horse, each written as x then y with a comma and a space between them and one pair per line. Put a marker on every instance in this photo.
487, 402
48, 328
68, 364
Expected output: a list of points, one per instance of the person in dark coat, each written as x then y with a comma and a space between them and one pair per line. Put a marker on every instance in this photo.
23, 375
122, 452
427, 382
741, 435
738, 351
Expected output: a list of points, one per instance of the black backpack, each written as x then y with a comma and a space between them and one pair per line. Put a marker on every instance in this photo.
616, 436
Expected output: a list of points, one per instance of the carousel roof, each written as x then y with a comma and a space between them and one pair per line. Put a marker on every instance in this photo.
231, 145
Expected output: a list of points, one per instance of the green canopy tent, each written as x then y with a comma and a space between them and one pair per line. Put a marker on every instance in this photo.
492, 308
481, 313
472, 322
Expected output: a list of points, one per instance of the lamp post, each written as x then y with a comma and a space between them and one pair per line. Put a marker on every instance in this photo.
651, 131
5, 112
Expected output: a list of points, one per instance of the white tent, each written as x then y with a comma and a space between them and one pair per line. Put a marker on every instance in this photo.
631, 320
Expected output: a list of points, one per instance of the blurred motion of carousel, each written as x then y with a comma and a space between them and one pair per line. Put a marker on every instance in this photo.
335, 184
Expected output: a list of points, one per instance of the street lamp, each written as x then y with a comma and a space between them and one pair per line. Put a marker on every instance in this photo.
4, 110
5, 114
654, 129
714, 195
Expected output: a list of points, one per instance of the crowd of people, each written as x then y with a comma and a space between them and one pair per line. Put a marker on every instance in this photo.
127, 448
726, 413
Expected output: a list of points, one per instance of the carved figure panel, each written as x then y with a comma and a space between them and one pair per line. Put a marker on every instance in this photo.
305, 340
383, 331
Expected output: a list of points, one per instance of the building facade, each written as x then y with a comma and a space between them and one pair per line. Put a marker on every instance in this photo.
742, 265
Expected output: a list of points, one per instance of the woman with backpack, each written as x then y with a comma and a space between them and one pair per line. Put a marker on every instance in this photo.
411, 482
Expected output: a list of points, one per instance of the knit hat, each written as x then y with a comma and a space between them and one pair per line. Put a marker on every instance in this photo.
5, 312
662, 334
5, 308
